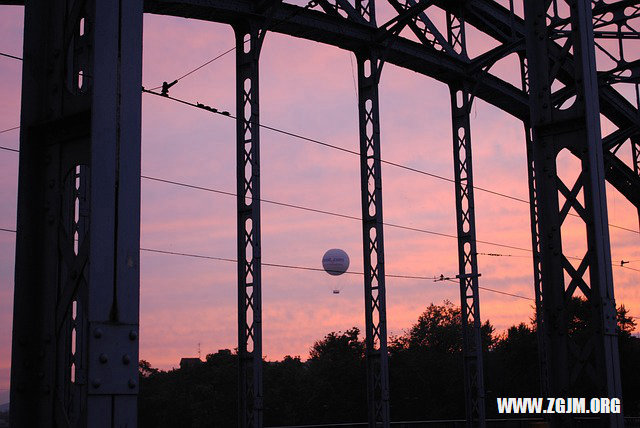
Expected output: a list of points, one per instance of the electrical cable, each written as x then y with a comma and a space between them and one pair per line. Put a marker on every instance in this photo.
296, 267
340, 215
310, 4
9, 129
308, 268
353, 152
10, 56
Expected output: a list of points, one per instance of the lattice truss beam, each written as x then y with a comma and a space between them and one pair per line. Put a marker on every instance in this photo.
339, 23
369, 68
581, 360
433, 49
461, 103
248, 44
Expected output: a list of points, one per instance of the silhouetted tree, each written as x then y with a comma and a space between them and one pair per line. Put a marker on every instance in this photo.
426, 380
512, 367
426, 365
337, 383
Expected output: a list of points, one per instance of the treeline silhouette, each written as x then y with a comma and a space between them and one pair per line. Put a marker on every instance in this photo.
425, 366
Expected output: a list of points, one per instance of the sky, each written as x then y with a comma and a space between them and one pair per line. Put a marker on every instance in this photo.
309, 89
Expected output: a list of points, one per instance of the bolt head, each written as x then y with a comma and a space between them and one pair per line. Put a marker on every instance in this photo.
103, 358
133, 335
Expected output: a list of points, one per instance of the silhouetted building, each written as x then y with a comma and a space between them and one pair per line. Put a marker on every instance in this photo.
187, 363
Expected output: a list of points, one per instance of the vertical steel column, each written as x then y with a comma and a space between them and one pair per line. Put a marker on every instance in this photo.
373, 242
249, 248
461, 102
635, 153
76, 304
535, 239
467, 259
572, 356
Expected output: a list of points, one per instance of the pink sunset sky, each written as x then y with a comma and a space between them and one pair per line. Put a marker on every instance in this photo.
306, 88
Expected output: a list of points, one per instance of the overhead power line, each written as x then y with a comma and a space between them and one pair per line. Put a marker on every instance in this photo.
9, 129
312, 3
341, 215
309, 268
10, 56
352, 152
298, 267
190, 72
331, 213
9, 149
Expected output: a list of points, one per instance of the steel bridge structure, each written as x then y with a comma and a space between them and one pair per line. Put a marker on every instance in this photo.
76, 311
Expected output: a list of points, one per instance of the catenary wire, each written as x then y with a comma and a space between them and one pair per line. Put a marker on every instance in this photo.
310, 4
331, 213
9, 129
10, 56
353, 152
298, 267
311, 140
347, 216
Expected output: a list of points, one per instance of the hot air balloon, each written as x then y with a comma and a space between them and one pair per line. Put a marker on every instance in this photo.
335, 262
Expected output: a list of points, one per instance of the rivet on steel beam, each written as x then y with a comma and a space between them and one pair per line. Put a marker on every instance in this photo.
74, 274
132, 384
97, 333
126, 359
133, 335
96, 383
103, 358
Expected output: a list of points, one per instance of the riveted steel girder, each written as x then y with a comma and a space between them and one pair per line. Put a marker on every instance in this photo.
582, 362
248, 43
75, 329
373, 241
461, 102
486, 15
